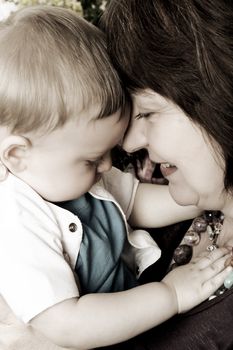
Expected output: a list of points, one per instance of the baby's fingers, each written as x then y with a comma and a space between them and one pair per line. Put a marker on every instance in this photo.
210, 258
214, 268
211, 285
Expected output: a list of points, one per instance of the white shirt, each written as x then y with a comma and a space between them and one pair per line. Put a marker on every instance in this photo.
40, 242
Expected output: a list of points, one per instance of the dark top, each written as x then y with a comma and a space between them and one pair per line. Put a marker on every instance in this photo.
209, 326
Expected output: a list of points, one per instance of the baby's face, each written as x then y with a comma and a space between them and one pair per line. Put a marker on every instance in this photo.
65, 164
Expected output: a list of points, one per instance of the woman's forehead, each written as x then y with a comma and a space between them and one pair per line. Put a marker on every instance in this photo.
149, 99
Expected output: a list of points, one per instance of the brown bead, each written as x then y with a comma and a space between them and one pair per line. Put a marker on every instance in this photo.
191, 238
199, 224
183, 254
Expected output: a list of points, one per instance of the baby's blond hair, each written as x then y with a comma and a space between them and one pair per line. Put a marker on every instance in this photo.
53, 64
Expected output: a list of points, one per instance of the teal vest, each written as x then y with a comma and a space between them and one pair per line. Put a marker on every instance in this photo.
99, 266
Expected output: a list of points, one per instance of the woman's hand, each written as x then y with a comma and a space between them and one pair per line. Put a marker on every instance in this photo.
196, 281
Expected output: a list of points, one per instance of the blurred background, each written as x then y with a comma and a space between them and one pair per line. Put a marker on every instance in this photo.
89, 9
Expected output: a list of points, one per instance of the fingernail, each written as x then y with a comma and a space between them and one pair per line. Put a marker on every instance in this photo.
227, 262
229, 269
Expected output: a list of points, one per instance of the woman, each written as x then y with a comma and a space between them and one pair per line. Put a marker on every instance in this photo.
176, 59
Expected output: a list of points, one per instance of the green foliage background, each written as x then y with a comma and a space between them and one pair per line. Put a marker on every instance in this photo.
91, 10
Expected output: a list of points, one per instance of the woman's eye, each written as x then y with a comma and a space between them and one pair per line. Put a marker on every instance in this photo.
93, 162
142, 115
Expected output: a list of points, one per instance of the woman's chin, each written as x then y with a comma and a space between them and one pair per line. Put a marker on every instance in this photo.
183, 196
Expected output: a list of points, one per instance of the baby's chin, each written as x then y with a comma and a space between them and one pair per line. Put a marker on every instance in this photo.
58, 198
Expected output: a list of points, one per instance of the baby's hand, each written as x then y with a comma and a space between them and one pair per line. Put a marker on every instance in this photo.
196, 281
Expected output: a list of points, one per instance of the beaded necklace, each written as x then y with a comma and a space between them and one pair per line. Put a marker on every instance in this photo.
210, 222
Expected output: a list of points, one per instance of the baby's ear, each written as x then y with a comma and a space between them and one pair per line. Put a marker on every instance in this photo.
13, 153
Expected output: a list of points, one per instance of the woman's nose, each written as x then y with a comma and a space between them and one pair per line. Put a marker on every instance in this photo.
135, 136
105, 163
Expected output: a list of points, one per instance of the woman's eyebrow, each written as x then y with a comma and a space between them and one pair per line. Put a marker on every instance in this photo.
95, 154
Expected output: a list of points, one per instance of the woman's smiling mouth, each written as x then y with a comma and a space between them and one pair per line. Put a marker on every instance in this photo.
167, 169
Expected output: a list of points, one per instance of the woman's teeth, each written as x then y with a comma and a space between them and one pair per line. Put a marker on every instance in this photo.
167, 165
167, 169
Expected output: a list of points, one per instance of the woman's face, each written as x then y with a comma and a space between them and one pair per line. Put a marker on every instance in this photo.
188, 161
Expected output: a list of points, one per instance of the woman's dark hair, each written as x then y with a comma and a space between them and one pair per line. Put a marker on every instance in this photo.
183, 50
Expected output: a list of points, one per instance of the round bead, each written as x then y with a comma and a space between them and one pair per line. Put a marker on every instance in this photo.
191, 238
199, 224
221, 218
208, 215
213, 215
211, 247
210, 232
183, 254
217, 228
229, 280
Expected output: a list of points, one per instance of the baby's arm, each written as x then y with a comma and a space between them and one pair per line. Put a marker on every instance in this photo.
154, 207
102, 319
15, 335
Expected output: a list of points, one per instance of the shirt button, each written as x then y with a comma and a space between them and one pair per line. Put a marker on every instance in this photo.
72, 227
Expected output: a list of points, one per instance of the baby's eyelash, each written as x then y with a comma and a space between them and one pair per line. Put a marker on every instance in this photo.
142, 115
